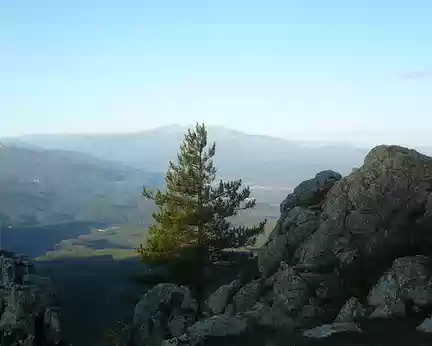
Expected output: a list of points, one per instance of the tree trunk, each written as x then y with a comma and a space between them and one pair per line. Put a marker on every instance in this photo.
200, 287
200, 281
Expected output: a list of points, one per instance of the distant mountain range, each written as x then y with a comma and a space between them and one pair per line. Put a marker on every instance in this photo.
258, 159
80, 177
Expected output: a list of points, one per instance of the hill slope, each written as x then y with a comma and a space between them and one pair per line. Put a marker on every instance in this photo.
40, 187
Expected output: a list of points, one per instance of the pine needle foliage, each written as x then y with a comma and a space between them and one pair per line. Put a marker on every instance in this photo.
191, 228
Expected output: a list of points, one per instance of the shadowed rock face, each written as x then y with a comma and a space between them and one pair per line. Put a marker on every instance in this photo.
353, 249
426, 325
409, 281
351, 311
165, 311
29, 315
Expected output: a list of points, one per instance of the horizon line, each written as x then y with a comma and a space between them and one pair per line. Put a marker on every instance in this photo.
180, 126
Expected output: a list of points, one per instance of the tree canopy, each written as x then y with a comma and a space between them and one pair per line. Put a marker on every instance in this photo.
191, 227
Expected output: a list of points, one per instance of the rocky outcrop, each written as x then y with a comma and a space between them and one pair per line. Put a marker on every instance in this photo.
312, 191
344, 252
300, 218
408, 281
275, 251
164, 312
29, 313
367, 214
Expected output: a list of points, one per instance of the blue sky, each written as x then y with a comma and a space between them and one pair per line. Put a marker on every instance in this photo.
308, 69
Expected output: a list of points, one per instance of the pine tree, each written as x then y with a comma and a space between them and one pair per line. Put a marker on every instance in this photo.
191, 228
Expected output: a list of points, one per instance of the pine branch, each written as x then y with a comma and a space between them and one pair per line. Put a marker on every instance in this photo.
218, 196
248, 205
147, 193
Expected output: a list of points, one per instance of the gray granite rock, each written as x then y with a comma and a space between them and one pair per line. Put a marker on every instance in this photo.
327, 330
26, 296
426, 325
352, 311
311, 191
164, 311
290, 292
408, 280
248, 295
218, 301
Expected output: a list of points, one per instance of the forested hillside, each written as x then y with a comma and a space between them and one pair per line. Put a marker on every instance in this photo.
40, 187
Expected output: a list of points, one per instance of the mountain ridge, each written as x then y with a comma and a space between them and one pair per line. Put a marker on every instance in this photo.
179, 129
255, 157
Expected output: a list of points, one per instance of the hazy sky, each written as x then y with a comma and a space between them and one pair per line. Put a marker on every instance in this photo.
299, 69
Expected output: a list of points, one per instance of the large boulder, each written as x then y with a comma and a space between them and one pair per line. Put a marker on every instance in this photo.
311, 314
270, 256
299, 220
218, 300
408, 281
292, 230
312, 191
347, 233
289, 290
377, 213
165, 311
248, 295
296, 217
